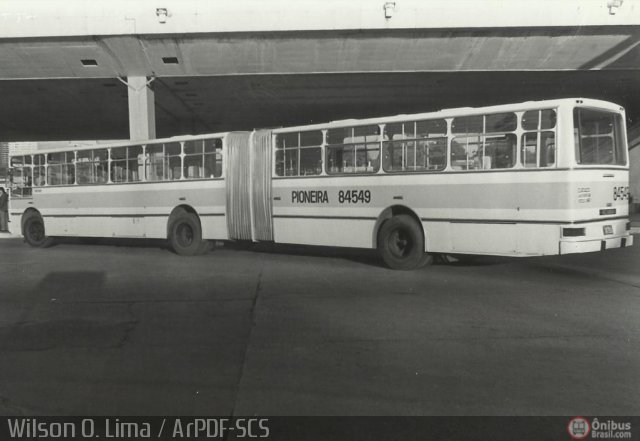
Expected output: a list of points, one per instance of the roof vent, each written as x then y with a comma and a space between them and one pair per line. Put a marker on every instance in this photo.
89, 62
170, 60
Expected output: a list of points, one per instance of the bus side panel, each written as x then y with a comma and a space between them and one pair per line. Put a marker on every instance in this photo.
492, 239
96, 226
484, 238
438, 237
214, 227
354, 233
538, 239
138, 210
14, 222
17, 208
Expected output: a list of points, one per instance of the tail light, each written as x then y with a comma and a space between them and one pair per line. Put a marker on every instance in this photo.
573, 232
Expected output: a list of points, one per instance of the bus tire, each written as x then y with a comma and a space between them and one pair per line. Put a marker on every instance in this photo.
185, 235
33, 229
401, 244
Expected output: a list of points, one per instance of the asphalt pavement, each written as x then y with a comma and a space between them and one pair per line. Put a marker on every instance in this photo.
129, 328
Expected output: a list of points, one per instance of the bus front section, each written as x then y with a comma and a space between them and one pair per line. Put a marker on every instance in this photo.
599, 184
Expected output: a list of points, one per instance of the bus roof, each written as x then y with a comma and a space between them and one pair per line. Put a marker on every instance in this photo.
126, 142
444, 113
459, 111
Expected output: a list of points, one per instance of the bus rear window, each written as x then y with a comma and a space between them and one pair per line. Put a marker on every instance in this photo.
598, 137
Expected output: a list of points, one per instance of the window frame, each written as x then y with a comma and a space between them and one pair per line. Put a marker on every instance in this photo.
618, 134
354, 145
216, 153
94, 165
297, 150
415, 140
539, 131
482, 138
69, 161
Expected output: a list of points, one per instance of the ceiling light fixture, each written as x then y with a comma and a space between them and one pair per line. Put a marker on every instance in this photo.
613, 6
389, 9
162, 14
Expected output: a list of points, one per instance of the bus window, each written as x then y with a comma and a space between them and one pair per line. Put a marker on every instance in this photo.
538, 146
287, 162
172, 151
431, 128
598, 136
533, 142
405, 148
202, 158
193, 159
61, 168
21, 179
501, 150
155, 162
299, 153
39, 174
483, 152
353, 150
488, 149
135, 163
468, 124
491, 123
164, 162
539, 119
119, 164
213, 158
501, 122
464, 153
125, 164
91, 166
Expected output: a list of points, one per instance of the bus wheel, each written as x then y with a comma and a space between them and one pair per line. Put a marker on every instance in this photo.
34, 231
185, 236
401, 244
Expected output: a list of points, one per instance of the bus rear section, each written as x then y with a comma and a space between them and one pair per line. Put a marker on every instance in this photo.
599, 198
600, 207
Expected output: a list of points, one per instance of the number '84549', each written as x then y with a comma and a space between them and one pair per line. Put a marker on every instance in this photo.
620, 193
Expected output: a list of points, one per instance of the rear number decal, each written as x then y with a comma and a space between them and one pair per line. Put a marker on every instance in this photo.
620, 193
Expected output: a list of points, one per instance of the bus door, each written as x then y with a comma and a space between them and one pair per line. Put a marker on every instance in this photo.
248, 186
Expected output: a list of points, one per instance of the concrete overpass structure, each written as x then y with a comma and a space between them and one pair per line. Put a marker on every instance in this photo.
84, 69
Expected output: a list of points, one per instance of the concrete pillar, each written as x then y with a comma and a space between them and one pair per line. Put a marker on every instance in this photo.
142, 113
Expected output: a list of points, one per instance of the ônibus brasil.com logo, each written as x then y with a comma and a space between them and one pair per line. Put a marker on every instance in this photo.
601, 428
578, 428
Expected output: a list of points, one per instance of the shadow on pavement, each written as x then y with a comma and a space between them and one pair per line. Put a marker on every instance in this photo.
358, 255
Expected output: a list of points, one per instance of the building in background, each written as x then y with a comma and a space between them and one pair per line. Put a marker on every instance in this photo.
4, 162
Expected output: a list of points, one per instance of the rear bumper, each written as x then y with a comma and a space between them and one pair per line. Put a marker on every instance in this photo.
586, 246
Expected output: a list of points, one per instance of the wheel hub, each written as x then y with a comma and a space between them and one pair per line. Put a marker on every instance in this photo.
184, 235
399, 243
36, 231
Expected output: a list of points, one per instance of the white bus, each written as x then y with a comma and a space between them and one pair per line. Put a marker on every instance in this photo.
528, 179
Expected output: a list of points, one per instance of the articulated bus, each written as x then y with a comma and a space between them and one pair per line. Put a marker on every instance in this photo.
529, 179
